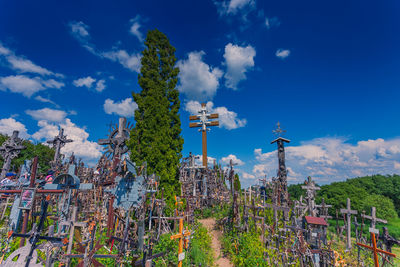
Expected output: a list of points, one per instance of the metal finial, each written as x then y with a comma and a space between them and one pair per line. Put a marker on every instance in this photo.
278, 131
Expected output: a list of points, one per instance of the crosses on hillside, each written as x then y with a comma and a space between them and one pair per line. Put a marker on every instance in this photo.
348, 211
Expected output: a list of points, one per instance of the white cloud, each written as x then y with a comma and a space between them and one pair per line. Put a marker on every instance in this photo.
248, 176
238, 61
131, 62
227, 119
86, 81
272, 22
125, 108
27, 86
81, 146
135, 28
332, 158
282, 53
47, 114
210, 160
45, 100
23, 65
8, 125
100, 85
197, 79
231, 7
235, 160
80, 31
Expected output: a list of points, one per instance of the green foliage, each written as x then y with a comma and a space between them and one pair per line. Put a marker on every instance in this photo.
156, 137
44, 153
295, 191
384, 206
245, 249
199, 252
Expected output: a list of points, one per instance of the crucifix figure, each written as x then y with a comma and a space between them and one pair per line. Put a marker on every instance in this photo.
282, 172
58, 142
9, 150
205, 121
348, 211
311, 191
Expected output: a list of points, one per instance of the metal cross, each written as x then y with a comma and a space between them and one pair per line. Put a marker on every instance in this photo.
9, 150
278, 131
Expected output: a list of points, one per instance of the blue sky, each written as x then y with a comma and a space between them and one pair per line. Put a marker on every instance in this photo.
328, 71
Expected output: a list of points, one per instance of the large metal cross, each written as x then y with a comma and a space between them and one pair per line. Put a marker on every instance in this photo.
205, 121
9, 150
58, 142
116, 140
348, 211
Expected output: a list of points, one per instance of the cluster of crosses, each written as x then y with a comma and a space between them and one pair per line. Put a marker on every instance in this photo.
65, 218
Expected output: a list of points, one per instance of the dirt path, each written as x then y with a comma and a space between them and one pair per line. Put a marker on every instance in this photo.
220, 260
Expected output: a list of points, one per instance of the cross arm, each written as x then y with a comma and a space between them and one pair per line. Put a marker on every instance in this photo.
377, 249
348, 211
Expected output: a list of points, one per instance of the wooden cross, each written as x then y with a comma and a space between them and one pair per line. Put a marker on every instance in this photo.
323, 213
204, 117
373, 219
348, 212
58, 142
375, 249
182, 238
9, 150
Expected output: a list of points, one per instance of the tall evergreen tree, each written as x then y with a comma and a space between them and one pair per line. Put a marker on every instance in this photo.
156, 137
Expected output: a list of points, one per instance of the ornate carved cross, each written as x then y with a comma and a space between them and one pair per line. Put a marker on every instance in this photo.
9, 150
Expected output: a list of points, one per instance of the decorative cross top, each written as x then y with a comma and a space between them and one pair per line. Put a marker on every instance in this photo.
9, 150
348, 211
374, 220
205, 121
58, 142
116, 140
278, 131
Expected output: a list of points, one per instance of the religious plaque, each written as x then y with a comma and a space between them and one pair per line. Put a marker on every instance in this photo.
27, 197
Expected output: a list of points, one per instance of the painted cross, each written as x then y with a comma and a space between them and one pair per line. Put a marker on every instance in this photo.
375, 249
348, 212
205, 121
373, 220
9, 150
182, 236
58, 142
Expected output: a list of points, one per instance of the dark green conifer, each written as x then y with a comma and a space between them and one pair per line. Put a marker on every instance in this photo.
156, 137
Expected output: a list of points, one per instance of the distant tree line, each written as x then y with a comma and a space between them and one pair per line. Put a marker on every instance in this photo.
380, 191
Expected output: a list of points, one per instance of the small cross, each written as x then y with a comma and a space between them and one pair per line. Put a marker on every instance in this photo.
278, 131
374, 220
348, 211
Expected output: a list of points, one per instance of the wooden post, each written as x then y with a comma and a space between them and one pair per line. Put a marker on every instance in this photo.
204, 146
348, 211
375, 249
204, 121
181, 235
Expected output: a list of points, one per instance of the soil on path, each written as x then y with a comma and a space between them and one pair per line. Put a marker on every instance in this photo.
220, 259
